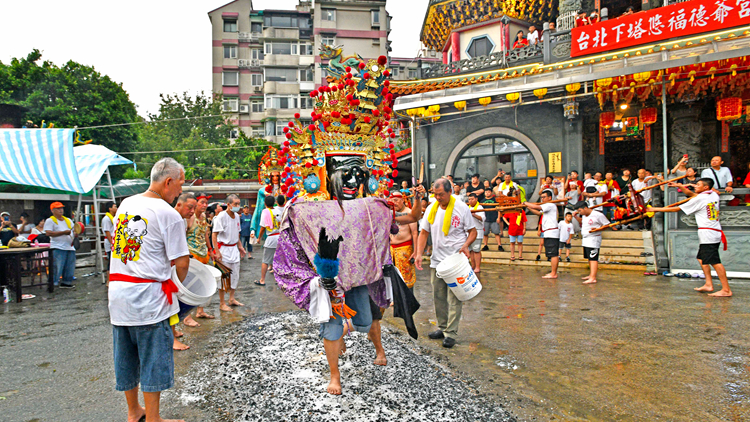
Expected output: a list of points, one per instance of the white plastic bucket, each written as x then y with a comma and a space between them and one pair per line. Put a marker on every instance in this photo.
458, 275
199, 284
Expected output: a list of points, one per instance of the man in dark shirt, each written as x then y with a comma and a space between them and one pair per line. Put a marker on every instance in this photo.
475, 186
492, 221
623, 181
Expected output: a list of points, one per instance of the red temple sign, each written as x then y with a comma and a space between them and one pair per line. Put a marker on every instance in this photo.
678, 20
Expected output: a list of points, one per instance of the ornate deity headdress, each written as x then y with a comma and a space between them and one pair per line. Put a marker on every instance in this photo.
350, 118
272, 162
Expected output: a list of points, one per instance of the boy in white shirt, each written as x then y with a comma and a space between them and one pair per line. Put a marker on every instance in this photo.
549, 229
566, 233
705, 205
591, 219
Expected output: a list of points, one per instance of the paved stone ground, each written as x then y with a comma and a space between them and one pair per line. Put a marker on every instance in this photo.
631, 348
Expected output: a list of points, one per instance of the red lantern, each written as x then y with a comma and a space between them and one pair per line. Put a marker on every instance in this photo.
607, 119
648, 115
729, 108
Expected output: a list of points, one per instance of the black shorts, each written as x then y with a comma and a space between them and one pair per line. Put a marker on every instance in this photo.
375, 309
592, 254
565, 245
551, 247
708, 253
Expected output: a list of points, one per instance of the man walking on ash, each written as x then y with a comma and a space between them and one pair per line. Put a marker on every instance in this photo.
149, 236
228, 250
451, 226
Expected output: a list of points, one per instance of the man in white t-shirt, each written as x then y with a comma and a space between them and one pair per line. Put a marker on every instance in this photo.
60, 230
533, 36
478, 218
705, 206
721, 176
591, 219
461, 233
270, 219
227, 248
149, 236
600, 190
642, 182
550, 230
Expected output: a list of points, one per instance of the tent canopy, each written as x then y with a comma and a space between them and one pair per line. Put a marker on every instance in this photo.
46, 158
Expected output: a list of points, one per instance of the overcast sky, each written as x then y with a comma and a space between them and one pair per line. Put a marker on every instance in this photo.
152, 47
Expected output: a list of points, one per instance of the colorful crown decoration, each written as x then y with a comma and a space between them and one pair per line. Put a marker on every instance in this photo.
272, 162
351, 117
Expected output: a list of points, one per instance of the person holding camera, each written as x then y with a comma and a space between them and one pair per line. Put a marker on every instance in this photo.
7, 229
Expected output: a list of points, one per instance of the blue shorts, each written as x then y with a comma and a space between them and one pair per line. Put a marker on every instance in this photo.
358, 298
144, 355
516, 239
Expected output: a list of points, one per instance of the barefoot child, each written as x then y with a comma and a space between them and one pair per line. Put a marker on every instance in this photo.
591, 219
705, 206
566, 233
549, 230
516, 223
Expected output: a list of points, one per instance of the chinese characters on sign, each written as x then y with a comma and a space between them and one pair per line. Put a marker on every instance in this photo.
601, 140
647, 136
724, 136
677, 20
555, 162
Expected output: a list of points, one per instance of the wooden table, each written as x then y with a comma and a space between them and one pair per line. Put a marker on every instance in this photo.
38, 267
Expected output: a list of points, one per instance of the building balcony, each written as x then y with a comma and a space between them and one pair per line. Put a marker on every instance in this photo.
286, 60
249, 36
281, 33
272, 87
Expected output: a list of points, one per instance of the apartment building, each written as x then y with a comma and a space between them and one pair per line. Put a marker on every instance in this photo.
403, 69
266, 62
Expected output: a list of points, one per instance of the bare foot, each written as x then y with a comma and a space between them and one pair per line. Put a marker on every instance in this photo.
204, 315
178, 334
550, 276
190, 322
380, 360
178, 345
334, 387
721, 293
136, 417
233, 302
342, 350
225, 308
477, 271
586, 278
705, 288
590, 281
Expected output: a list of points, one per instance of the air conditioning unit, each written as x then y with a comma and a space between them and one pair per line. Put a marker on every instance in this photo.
243, 63
244, 108
258, 88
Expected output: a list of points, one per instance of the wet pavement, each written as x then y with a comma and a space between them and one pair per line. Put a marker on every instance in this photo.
630, 348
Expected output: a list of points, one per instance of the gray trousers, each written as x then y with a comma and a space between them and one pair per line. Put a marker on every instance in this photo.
447, 306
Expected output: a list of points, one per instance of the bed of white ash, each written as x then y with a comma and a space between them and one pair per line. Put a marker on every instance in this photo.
271, 367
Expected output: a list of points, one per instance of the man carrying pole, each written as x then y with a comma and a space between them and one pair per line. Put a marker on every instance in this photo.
550, 231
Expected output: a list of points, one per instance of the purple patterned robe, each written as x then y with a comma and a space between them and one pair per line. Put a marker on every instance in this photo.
365, 226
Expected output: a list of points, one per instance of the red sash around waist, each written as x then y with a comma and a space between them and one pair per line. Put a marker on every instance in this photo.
402, 244
273, 234
167, 286
723, 237
226, 244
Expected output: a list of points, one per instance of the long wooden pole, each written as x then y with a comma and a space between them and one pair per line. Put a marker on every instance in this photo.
617, 223
510, 207
609, 201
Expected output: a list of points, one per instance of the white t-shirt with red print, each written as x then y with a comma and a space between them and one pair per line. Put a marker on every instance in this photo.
444, 246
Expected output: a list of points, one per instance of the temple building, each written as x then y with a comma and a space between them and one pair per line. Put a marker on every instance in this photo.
631, 91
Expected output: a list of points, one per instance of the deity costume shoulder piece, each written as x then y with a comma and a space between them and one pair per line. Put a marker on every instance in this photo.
270, 170
338, 170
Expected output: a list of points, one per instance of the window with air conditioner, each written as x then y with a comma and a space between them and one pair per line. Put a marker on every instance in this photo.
306, 75
281, 101
375, 17
256, 106
328, 15
256, 79
231, 104
230, 25
328, 39
230, 78
281, 74
230, 51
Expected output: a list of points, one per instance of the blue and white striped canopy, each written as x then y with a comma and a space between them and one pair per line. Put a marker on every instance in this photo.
46, 157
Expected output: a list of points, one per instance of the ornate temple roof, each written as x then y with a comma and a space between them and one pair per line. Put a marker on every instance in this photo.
444, 16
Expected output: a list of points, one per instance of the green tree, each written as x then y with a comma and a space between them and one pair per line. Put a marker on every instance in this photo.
193, 131
73, 95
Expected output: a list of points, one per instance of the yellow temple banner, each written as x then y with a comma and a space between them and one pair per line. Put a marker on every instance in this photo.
555, 162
